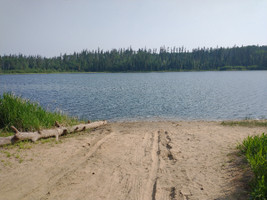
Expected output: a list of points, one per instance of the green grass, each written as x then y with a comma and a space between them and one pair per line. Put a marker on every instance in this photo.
247, 123
27, 116
255, 150
5, 133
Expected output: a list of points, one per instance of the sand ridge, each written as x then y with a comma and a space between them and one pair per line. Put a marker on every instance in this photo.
131, 160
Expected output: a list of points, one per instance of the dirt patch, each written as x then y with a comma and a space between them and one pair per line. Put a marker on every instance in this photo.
132, 160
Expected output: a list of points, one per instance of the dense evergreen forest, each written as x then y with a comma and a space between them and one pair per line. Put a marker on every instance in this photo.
128, 60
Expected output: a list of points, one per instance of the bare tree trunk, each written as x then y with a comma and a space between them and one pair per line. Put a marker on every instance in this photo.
34, 136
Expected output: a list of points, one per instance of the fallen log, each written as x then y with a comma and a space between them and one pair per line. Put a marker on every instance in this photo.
55, 132
7, 140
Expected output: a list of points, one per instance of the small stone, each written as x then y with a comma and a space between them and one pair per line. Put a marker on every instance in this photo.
185, 192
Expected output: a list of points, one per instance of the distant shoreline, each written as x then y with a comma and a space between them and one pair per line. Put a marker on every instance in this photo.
124, 72
144, 60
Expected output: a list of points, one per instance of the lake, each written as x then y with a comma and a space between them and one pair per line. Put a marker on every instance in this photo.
147, 96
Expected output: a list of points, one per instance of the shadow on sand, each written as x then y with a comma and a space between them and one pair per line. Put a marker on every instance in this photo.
241, 176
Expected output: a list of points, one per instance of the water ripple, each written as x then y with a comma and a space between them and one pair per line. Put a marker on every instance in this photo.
129, 96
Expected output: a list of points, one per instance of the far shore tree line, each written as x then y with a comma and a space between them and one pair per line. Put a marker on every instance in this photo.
141, 60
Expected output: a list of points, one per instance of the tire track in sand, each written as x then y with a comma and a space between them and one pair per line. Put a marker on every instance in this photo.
165, 186
151, 186
60, 174
57, 181
141, 153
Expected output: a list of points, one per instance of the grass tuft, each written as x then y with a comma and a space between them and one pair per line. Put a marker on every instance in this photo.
27, 116
255, 150
247, 123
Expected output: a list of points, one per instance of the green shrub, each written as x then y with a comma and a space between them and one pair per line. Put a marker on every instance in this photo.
255, 149
27, 116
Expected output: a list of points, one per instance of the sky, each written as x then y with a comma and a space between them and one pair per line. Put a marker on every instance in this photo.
52, 27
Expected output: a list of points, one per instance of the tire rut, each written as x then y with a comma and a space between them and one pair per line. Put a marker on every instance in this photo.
56, 181
59, 175
151, 187
125, 174
164, 174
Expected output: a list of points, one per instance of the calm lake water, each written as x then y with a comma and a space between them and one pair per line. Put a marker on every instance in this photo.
149, 96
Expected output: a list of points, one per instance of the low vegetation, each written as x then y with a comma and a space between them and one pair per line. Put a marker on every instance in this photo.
255, 150
27, 116
247, 123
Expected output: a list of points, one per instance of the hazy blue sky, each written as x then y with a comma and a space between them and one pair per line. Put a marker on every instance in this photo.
51, 27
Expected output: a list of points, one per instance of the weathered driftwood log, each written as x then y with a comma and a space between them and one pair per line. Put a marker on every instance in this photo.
7, 140
56, 132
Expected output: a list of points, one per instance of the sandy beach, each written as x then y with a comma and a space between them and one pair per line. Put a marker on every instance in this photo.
187, 160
